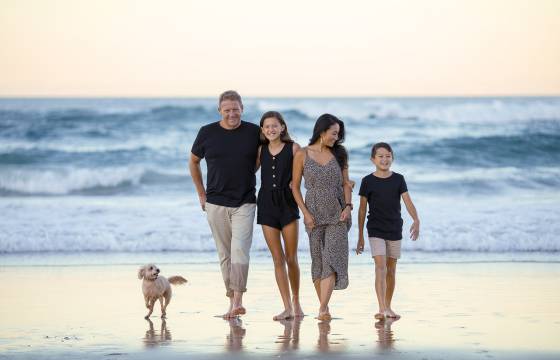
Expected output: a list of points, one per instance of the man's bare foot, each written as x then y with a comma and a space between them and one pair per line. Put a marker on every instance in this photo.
391, 314
286, 314
240, 310
228, 315
298, 312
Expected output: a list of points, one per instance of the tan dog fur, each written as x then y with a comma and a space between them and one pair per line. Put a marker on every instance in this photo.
156, 287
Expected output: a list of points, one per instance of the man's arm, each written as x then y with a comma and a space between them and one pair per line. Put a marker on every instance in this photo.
196, 175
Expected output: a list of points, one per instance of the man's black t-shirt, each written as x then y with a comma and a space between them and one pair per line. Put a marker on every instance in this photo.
231, 157
384, 201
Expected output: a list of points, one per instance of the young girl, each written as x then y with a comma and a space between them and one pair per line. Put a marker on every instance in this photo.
327, 207
382, 191
277, 211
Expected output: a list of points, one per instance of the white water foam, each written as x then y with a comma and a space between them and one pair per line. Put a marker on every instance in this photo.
67, 180
140, 224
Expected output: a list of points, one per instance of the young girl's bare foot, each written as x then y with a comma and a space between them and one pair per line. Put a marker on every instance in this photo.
286, 314
380, 315
324, 316
298, 312
391, 314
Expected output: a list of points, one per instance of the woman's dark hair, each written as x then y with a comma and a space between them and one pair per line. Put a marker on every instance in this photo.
284, 136
323, 123
381, 145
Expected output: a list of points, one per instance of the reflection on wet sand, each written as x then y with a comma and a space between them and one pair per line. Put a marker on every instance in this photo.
324, 330
289, 340
234, 340
155, 338
385, 336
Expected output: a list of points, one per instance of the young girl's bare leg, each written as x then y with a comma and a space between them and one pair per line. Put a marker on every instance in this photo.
272, 237
391, 272
381, 284
290, 235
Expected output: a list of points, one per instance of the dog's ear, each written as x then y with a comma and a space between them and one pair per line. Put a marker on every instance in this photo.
141, 272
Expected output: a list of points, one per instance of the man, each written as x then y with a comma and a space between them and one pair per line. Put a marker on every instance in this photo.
230, 147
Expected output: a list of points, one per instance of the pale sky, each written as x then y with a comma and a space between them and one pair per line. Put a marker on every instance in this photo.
279, 48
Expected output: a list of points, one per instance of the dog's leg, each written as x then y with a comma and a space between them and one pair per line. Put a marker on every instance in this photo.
167, 296
162, 307
151, 307
147, 301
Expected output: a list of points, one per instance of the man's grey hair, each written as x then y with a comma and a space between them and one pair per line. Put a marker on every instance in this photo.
230, 95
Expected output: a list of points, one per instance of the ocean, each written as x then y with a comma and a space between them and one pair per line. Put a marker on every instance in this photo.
110, 175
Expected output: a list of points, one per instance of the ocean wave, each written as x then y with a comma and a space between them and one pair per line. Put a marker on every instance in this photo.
469, 111
522, 150
78, 180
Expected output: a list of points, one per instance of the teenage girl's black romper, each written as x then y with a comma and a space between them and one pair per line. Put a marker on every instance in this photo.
276, 206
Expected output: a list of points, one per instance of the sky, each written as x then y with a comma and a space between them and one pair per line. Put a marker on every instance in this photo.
287, 48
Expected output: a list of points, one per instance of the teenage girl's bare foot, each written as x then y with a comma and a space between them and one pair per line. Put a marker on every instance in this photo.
391, 314
284, 315
298, 312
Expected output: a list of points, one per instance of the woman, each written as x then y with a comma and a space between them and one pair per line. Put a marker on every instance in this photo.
327, 207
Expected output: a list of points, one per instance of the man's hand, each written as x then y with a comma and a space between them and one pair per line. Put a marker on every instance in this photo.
202, 200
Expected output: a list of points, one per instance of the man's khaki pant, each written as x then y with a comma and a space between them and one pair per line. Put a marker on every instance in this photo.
232, 229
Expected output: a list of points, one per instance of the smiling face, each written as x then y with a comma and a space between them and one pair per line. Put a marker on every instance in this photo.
382, 159
330, 136
231, 111
272, 129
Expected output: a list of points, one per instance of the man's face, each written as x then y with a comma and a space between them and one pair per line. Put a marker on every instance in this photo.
231, 111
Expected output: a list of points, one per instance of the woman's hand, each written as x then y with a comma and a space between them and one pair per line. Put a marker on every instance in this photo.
346, 213
308, 221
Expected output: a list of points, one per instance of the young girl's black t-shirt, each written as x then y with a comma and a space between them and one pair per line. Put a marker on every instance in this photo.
384, 202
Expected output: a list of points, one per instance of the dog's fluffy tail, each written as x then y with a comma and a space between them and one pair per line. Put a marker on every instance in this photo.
177, 280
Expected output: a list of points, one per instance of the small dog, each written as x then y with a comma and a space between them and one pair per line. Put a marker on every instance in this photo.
156, 287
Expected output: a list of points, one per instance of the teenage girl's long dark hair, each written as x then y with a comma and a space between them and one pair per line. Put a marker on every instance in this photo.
323, 123
284, 135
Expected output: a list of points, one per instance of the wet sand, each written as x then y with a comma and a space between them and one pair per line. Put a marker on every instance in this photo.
455, 310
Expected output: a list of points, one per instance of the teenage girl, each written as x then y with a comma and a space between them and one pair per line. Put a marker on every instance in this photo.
277, 212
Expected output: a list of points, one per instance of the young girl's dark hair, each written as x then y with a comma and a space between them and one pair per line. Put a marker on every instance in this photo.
284, 136
381, 145
323, 123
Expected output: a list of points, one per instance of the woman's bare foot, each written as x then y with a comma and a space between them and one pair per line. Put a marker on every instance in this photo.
391, 314
284, 315
298, 312
324, 316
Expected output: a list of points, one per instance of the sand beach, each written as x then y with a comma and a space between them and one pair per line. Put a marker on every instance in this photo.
91, 306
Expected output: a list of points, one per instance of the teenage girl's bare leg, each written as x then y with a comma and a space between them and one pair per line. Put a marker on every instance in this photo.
381, 284
272, 237
290, 235
391, 272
